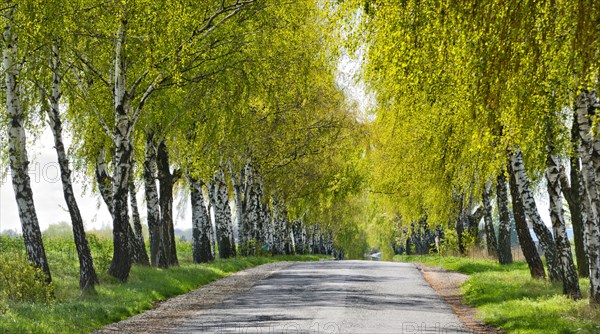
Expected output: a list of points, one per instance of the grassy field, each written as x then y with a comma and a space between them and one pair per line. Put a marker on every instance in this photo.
71, 312
506, 297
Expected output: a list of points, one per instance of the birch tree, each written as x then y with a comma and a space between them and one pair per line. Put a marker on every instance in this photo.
142, 60
202, 249
505, 222
87, 273
12, 52
224, 227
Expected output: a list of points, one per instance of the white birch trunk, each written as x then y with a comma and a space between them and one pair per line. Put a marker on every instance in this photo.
565, 257
490, 233
158, 255
505, 222
540, 229
587, 106
223, 223
141, 256
104, 182
167, 180
201, 226
121, 261
17, 152
267, 221
87, 274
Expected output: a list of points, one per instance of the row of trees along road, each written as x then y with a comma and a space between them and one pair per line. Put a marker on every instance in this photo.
236, 101
473, 95
223, 100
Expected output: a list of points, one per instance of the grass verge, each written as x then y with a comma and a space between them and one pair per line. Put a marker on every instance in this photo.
72, 312
506, 297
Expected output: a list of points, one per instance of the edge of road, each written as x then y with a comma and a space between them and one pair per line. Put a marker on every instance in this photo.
170, 313
447, 284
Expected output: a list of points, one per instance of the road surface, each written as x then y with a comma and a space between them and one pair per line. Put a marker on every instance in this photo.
332, 297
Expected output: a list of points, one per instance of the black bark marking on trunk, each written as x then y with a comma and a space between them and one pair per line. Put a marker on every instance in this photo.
505, 221
563, 246
202, 248
141, 257
17, 153
541, 230
166, 181
587, 107
223, 223
87, 274
536, 267
120, 265
574, 193
490, 233
158, 254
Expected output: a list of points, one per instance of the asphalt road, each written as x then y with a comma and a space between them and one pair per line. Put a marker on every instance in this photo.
333, 297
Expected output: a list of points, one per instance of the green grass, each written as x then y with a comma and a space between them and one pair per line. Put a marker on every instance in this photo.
507, 297
72, 312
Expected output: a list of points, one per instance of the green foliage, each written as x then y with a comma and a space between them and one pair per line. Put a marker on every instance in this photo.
22, 282
253, 248
507, 297
449, 245
102, 250
458, 85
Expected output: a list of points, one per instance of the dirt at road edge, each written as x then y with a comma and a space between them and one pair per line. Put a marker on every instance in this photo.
171, 313
447, 284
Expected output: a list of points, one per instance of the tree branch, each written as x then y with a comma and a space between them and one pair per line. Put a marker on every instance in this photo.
85, 94
566, 187
137, 83
94, 69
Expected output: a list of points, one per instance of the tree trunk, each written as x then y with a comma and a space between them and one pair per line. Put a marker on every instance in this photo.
252, 211
505, 223
586, 107
257, 211
104, 181
460, 229
141, 257
17, 153
87, 273
577, 220
213, 225
278, 247
202, 249
563, 247
241, 187
574, 195
166, 181
536, 267
490, 233
121, 261
287, 241
267, 222
540, 229
158, 254
299, 233
224, 226
282, 236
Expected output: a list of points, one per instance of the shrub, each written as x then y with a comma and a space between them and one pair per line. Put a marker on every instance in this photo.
21, 281
102, 250
449, 244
